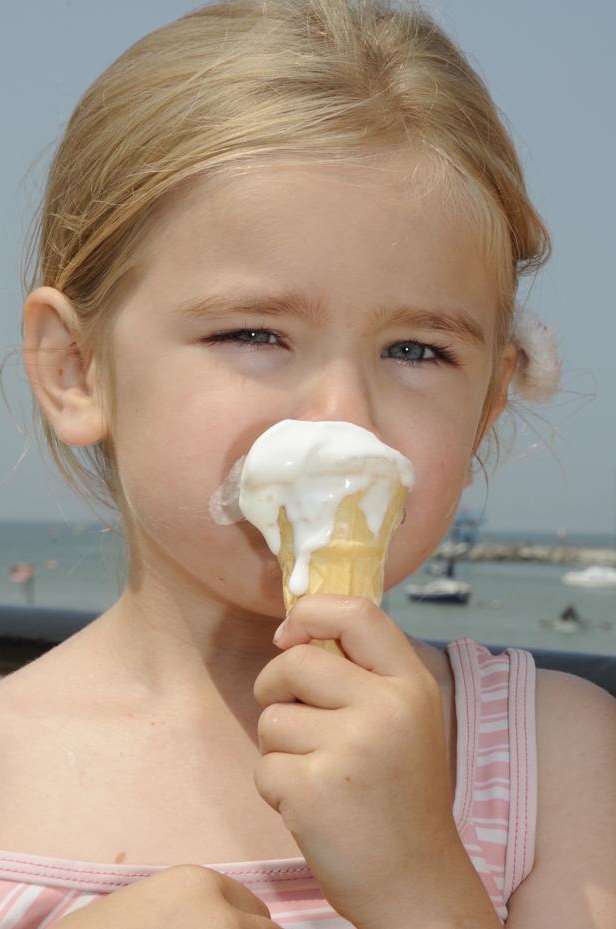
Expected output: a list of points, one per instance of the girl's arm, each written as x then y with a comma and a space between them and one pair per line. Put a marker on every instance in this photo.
573, 882
451, 895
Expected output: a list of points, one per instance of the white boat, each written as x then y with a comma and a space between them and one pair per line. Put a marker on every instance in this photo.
595, 576
443, 590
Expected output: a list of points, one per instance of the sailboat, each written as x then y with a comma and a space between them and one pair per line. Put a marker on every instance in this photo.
448, 589
593, 576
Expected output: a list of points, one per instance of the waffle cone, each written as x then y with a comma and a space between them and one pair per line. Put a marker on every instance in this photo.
353, 561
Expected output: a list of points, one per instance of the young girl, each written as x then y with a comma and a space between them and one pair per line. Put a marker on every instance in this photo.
306, 209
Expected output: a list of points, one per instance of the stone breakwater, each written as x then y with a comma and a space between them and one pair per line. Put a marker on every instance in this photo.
544, 554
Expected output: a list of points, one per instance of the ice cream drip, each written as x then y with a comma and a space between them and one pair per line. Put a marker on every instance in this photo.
308, 468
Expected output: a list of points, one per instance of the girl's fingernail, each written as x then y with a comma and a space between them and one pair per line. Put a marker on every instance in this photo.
280, 632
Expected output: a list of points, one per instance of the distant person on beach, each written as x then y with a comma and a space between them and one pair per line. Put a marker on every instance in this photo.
23, 573
292, 210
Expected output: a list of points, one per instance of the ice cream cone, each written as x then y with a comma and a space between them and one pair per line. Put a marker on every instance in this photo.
353, 561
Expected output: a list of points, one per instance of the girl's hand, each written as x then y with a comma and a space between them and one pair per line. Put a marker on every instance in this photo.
184, 896
354, 754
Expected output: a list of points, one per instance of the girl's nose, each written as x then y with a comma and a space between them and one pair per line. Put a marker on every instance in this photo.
338, 391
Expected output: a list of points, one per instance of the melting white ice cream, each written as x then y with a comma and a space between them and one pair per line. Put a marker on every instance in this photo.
308, 467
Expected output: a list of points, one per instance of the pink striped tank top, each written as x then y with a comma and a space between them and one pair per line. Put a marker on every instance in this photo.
495, 808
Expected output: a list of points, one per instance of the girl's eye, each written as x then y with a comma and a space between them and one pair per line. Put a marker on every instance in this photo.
235, 336
413, 352
410, 353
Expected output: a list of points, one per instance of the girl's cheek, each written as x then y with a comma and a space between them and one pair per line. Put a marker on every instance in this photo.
441, 462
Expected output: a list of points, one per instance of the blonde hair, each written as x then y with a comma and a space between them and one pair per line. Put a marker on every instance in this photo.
220, 90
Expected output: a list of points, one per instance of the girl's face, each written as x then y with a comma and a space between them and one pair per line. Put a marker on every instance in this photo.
354, 245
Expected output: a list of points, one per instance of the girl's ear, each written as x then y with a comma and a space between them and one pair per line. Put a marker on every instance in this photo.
61, 379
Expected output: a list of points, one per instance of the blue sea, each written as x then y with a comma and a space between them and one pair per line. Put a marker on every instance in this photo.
79, 566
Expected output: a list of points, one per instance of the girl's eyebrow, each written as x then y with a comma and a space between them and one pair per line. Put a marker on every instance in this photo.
459, 323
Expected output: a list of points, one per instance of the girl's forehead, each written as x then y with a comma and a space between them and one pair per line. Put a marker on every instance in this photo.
312, 228
284, 207
392, 177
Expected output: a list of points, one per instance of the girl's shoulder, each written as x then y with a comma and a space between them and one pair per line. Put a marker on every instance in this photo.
572, 878
576, 732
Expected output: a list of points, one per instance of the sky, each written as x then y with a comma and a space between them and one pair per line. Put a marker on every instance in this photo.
550, 69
